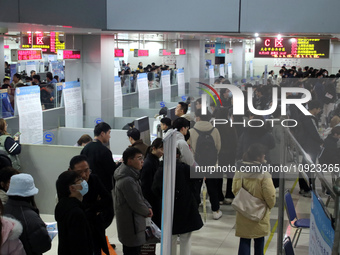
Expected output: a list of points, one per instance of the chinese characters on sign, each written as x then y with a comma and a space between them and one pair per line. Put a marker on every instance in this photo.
292, 48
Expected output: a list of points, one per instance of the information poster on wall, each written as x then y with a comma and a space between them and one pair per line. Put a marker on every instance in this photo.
117, 66
118, 102
321, 236
58, 69
251, 69
181, 82
30, 65
222, 70
166, 86
27, 102
13, 69
230, 71
73, 104
7, 110
143, 91
211, 72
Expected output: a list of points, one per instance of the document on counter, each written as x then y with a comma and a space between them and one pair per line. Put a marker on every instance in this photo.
181, 82
143, 91
73, 104
28, 105
118, 101
166, 86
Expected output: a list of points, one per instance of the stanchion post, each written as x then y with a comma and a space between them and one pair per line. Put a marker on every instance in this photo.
283, 161
336, 244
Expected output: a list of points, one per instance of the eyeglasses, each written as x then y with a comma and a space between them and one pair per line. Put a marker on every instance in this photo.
80, 172
140, 158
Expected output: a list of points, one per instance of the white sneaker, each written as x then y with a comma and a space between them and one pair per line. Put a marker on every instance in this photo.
228, 201
217, 214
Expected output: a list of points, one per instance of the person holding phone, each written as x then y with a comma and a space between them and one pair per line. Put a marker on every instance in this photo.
9, 145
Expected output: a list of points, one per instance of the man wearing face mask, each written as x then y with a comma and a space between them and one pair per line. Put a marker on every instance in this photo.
97, 203
73, 229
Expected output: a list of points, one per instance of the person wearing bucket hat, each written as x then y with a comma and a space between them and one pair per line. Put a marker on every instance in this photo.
21, 206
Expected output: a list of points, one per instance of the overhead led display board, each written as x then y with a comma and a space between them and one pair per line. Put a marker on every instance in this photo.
48, 42
141, 53
291, 48
119, 53
68, 54
17, 55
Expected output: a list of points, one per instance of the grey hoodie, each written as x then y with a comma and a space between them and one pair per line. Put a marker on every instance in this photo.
131, 207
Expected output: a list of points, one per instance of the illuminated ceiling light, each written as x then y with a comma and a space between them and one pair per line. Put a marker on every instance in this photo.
292, 39
279, 36
256, 34
37, 32
89, 33
28, 32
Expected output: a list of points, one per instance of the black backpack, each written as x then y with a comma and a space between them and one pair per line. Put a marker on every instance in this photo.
206, 152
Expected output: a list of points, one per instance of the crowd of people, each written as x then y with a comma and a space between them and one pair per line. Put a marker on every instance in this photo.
96, 189
154, 73
47, 87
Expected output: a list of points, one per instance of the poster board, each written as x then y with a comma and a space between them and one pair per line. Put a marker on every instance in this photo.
143, 91
118, 98
166, 86
28, 105
73, 104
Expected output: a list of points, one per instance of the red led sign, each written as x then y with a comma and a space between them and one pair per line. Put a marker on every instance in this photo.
292, 48
231, 51
166, 53
182, 52
71, 54
49, 43
143, 53
6, 46
119, 53
212, 50
29, 54
222, 51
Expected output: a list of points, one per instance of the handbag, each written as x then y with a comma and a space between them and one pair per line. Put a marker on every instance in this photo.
152, 232
249, 206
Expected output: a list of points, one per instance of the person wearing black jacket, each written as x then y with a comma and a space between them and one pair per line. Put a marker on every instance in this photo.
309, 138
186, 217
253, 135
97, 203
150, 166
99, 156
331, 153
73, 229
329, 98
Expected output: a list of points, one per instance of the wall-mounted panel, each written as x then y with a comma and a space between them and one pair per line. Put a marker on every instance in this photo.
176, 15
75, 13
290, 16
9, 11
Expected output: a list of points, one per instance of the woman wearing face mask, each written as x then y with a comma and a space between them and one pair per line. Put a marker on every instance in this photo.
21, 206
73, 229
150, 166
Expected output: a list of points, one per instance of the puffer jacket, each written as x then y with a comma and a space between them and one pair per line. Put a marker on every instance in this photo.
260, 185
34, 237
130, 206
10, 232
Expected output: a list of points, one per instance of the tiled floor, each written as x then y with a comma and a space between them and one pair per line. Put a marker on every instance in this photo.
218, 236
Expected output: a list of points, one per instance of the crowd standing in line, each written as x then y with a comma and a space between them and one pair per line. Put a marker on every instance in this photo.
86, 206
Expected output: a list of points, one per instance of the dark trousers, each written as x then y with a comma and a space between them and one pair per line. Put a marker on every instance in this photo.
212, 188
131, 250
244, 248
229, 193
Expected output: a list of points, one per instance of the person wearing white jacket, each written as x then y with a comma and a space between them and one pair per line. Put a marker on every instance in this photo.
182, 127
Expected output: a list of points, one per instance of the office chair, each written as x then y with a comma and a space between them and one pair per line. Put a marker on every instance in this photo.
294, 222
287, 246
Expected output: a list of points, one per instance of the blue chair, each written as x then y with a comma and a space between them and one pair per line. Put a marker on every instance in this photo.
288, 247
294, 222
